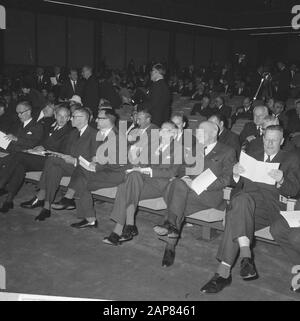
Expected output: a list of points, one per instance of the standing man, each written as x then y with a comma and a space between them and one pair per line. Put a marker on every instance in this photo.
90, 94
159, 96
71, 87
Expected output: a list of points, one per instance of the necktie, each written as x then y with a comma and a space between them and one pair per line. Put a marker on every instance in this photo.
268, 160
73, 85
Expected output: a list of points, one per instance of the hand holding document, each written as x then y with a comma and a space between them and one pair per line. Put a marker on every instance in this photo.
292, 217
257, 171
86, 164
203, 181
4, 142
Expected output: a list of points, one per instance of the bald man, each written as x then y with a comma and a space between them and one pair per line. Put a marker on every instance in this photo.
182, 200
257, 143
253, 129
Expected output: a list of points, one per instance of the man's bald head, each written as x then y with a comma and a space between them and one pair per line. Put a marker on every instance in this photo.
259, 113
210, 132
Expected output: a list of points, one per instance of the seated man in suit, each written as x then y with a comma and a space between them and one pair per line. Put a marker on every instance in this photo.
221, 108
182, 200
81, 142
202, 108
257, 143
254, 206
253, 129
28, 133
106, 170
226, 136
72, 86
244, 112
13, 174
143, 183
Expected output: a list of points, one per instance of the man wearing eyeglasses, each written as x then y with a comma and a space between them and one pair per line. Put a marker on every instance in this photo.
82, 142
28, 133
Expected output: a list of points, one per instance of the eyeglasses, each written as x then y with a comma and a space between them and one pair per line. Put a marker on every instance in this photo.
77, 116
22, 112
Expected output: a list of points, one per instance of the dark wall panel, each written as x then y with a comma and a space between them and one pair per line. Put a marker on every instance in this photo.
220, 50
202, 50
137, 45
51, 40
19, 38
184, 49
113, 45
81, 42
159, 45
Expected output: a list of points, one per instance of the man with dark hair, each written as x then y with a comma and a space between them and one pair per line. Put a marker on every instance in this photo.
221, 108
72, 86
254, 206
202, 108
90, 92
244, 112
159, 96
82, 142
226, 136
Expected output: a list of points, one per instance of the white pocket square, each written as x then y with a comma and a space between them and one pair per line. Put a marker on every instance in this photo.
29, 133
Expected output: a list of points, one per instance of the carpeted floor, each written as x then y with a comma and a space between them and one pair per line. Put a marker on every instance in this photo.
51, 258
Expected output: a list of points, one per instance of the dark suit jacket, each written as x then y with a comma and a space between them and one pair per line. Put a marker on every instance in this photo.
107, 91
46, 83
242, 114
220, 161
231, 139
91, 94
85, 145
292, 122
5, 122
249, 130
225, 111
28, 137
56, 140
160, 100
36, 100
46, 123
289, 164
67, 91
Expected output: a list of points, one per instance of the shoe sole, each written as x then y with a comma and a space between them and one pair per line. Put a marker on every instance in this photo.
63, 208
110, 243
125, 240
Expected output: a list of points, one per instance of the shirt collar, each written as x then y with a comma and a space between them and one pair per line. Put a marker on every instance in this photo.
41, 115
105, 132
209, 148
271, 156
27, 122
82, 130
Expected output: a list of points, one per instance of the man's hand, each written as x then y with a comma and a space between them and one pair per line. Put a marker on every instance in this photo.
237, 170
69, 159
92, 166
250, 138
277, 175
11, 137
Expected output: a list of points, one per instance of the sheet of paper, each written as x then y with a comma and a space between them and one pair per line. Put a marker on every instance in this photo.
292, 217
53, 81
85, 164
202, 181
35, 152
257, 171
3, 141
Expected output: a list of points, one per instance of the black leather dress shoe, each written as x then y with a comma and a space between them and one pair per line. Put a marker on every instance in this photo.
129, 232
248, 270
85, 223
64, 204
43, 215
295, 290
112, 239
169, 258
6, 206
33, 203
216, 284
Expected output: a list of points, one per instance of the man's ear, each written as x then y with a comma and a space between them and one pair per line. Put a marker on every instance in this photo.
282, 141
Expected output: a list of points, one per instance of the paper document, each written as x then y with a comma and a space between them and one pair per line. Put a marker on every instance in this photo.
35, 152
292, 217
3, 141
257, 171
203, 181
85, 164
53, 81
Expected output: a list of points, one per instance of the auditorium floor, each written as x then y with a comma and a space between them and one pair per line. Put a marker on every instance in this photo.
51, 258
